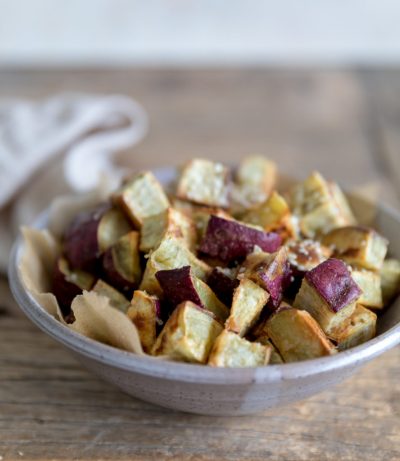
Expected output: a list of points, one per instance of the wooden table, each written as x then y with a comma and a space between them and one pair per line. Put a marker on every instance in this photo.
344, 123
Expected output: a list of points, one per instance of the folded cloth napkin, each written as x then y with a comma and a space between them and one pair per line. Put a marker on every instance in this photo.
65, 143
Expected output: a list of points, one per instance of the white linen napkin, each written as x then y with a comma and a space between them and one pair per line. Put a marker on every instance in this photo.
65, 143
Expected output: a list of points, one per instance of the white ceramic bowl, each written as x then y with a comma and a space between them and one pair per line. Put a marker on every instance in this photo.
216, 391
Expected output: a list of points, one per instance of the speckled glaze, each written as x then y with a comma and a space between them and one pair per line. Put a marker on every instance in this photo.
216, 391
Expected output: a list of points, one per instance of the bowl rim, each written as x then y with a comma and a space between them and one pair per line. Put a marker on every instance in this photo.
188, 372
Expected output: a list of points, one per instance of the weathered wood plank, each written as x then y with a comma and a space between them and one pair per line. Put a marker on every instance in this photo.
50, 408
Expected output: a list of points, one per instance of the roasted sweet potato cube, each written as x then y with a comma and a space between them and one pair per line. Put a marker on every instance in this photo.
319, 205
255, 179
223, 282
68, 283
230, 350
140, 197
199, 214
202, 216
91, 233
328, 293
270, 271
258, 171
303, 255
273, 215
210, 300
247, 305
370, 284
144, 311
358, 246
390, 279
181, 285
297, 335
116, 298
121, 263
205, 182
171, 254
168, 223
188, 334
178, 286
231, 240
112, 227
357, 329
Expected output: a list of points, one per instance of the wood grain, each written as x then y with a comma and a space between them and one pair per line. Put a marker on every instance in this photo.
341, 122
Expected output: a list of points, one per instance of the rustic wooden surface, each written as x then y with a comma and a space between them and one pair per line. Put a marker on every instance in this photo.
344, 123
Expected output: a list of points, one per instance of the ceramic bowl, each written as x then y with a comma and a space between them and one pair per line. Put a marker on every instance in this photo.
217, 391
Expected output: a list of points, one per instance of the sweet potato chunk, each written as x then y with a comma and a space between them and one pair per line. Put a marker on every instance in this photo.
91, 233
257, 171
231, 240
270, 271
297, 335
230, 350
116, 298
390, 279
140, 197
202, 216
248, 302
121, 263
171, 254
181, 285
370, 284
255, 179
328, 293
319, 205
358, 246
144, 312
168, 223
199, 214
68, 283
205, 182
357, 329
178, 286
273, 215
188, 335
303, 255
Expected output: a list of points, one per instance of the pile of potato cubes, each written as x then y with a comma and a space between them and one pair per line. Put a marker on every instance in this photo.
229, 272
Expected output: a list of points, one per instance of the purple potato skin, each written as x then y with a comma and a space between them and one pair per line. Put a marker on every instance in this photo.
63, 290
113, 276
81, 245
231, 241
275, 278
177, 285
303, 255
332, 280
222, 285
